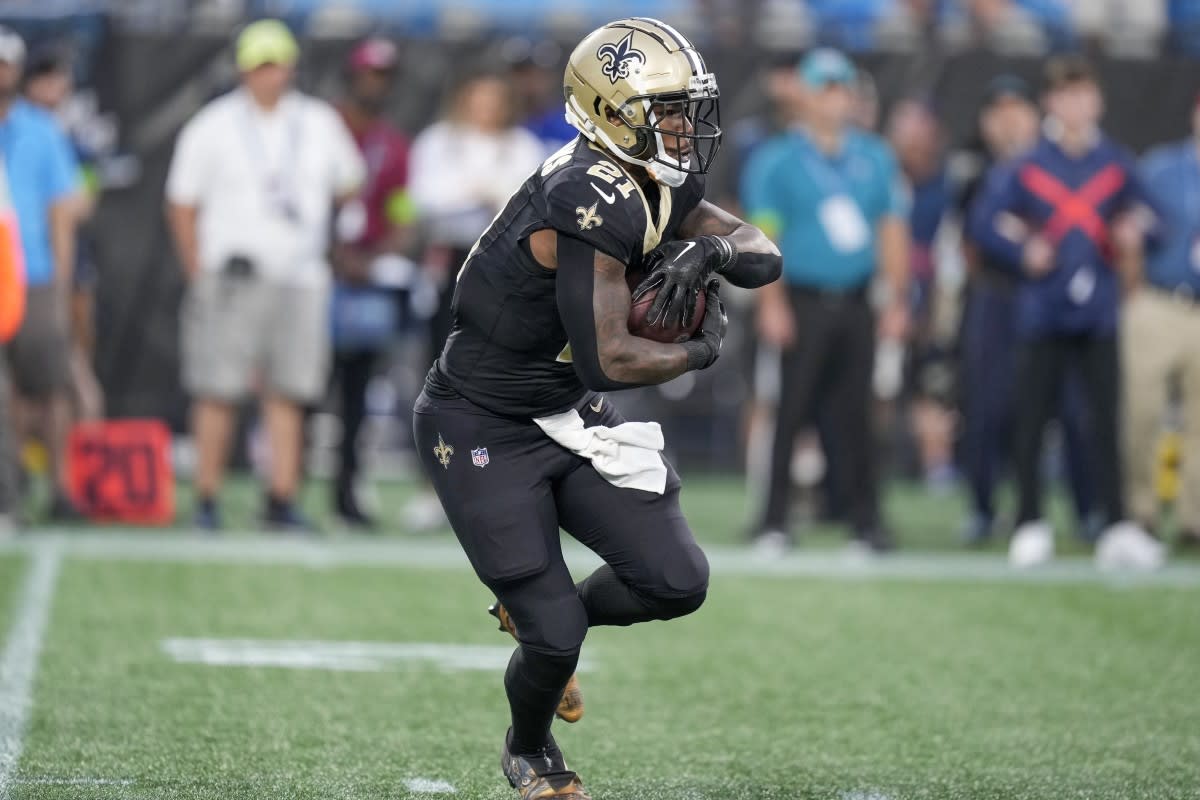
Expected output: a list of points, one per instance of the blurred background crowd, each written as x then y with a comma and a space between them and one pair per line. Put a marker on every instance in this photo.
1022, 257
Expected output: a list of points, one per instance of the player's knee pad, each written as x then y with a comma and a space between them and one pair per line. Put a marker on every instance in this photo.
558, 627
681, 586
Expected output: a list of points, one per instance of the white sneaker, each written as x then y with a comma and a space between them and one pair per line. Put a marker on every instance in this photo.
771, 544
1126, 545
1032, 544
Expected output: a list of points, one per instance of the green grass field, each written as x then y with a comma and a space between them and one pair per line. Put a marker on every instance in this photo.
172, 666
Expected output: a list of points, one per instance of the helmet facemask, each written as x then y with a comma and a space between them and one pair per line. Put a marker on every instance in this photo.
659, 132
681, 135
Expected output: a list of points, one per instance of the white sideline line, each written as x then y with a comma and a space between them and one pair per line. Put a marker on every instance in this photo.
18, 663
74, 781
342, 656
242, 548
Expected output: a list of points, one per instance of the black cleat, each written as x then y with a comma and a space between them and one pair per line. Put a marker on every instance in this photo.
570, 707
542, 776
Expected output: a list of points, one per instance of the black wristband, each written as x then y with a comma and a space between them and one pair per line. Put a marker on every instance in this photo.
728, 251
700, 354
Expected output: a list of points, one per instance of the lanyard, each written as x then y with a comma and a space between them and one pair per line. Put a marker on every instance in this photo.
828, 179
277, 178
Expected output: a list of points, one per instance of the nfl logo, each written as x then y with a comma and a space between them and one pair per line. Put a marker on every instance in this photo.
479, 457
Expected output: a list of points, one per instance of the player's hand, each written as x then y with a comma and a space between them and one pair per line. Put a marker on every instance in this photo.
776, 323
1038, 257
705, 346
679, 270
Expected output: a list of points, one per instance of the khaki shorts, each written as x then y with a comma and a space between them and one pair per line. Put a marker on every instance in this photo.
242, 334
38, 356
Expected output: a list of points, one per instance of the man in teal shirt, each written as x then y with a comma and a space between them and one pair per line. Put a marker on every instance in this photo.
43, 180
834, 200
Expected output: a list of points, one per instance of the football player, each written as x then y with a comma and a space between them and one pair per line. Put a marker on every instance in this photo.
512, 428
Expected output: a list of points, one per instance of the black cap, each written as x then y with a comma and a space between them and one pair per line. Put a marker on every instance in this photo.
1007, 85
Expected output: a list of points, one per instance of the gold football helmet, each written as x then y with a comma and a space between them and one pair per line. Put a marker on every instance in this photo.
624, 85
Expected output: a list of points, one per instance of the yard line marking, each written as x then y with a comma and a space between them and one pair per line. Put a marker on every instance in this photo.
244, 548
429, 786
18, 663
342, 656
75, 781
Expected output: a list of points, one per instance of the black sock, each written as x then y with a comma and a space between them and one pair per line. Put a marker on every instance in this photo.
611, 601
534, 683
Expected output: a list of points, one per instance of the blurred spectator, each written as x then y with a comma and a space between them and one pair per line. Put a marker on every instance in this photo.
537, 85
1058, 218
916, 137
1131, 27
853, 24
1008, 125
49, 84
832, 197
253, 180
43, 178
375, 230
1000, 25
463, 170
1161, 334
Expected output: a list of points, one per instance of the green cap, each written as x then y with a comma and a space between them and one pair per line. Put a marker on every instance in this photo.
267, 41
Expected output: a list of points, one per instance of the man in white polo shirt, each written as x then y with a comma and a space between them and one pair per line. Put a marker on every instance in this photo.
255, 177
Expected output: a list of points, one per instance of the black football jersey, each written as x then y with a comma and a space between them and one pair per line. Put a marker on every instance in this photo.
507, 350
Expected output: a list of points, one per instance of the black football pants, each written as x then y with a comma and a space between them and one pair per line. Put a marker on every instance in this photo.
507, 488
1042, 365
829, 369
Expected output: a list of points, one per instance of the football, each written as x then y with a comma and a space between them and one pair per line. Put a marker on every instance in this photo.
674, 333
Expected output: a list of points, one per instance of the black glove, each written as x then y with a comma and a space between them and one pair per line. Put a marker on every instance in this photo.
705, 346
679, 271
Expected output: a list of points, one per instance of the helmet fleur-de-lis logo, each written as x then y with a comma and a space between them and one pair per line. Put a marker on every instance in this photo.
588, 218
620, 58
443, 452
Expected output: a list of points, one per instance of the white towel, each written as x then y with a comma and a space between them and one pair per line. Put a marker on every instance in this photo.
628, 455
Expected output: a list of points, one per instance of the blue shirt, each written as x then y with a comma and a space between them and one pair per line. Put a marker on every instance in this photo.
42, 170
1071, 201
824, 210
1171, 175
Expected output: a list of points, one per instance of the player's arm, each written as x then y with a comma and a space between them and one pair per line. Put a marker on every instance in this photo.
594, 303
710, 241
755, 259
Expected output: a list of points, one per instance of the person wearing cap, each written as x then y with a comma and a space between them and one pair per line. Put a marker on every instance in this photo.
1061, 220
252, 184
374, 231
43, 179
1008, 127
49, 85
833, 198
1160, 334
